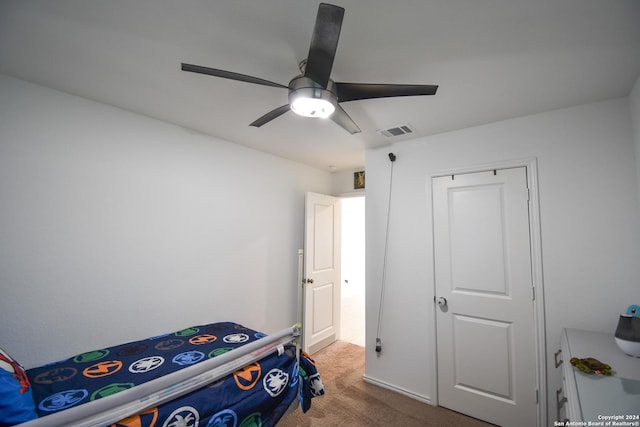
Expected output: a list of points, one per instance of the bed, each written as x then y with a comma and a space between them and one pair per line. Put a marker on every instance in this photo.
220, 374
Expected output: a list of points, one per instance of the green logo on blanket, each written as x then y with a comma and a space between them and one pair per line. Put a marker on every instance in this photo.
91, 356
111, 389
187, 332
219, 351
253, 420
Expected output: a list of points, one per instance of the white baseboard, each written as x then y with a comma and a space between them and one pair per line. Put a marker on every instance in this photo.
412, 395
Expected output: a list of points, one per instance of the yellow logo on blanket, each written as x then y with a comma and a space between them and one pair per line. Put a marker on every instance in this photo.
102, 369
202, 339
247, 377
147, 418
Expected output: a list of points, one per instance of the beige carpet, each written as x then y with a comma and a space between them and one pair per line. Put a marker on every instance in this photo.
350, 401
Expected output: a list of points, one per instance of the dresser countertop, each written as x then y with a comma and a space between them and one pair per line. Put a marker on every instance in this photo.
604, 398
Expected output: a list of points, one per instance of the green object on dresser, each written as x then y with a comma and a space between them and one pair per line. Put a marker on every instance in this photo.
590, 365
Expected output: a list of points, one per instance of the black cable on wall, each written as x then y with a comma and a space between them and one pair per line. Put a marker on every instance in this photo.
392, 158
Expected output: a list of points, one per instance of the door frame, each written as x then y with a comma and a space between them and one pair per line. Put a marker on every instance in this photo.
531, 166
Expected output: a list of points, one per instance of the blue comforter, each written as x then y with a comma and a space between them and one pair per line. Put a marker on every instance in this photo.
257, 395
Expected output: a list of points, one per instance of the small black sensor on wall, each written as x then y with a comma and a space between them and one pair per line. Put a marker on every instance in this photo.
358, 180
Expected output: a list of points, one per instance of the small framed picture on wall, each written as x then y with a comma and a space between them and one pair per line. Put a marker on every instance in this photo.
358, 180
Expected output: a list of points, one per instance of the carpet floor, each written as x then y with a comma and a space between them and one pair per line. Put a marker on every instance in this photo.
350, 401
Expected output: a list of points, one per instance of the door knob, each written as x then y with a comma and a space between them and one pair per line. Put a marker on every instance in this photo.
442, 302
308, 281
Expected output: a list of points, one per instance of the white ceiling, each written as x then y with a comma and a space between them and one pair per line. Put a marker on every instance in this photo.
493, 60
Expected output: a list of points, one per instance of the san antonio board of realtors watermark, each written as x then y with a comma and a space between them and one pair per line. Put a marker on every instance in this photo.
630, 420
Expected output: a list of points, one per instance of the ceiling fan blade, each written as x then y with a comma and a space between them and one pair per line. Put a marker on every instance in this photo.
271, 115
342, 118
324, 43
355, 91
229, 75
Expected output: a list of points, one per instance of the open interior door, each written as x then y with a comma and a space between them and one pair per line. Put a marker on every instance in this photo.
321, 280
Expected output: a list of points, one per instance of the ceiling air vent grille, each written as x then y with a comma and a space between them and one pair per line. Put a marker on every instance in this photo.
395, 131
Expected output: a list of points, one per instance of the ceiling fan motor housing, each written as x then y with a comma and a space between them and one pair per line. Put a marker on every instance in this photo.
310, 99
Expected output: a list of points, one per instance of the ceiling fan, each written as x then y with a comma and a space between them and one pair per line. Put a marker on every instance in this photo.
313, 93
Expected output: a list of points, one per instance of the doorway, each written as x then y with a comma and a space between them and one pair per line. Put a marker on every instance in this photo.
352, 316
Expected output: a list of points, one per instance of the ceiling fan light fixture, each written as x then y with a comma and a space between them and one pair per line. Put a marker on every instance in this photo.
312, 102
309, 99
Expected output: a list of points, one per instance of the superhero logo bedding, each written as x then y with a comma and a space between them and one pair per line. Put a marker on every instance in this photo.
255, 394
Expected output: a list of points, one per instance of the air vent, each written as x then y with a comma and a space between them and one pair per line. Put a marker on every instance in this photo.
396, 131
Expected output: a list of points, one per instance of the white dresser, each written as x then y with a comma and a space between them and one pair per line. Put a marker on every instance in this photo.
591, 398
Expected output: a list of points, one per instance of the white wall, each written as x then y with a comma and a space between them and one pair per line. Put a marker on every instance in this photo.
352, 292
634, 105
588, 192
114, 227
343, 184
